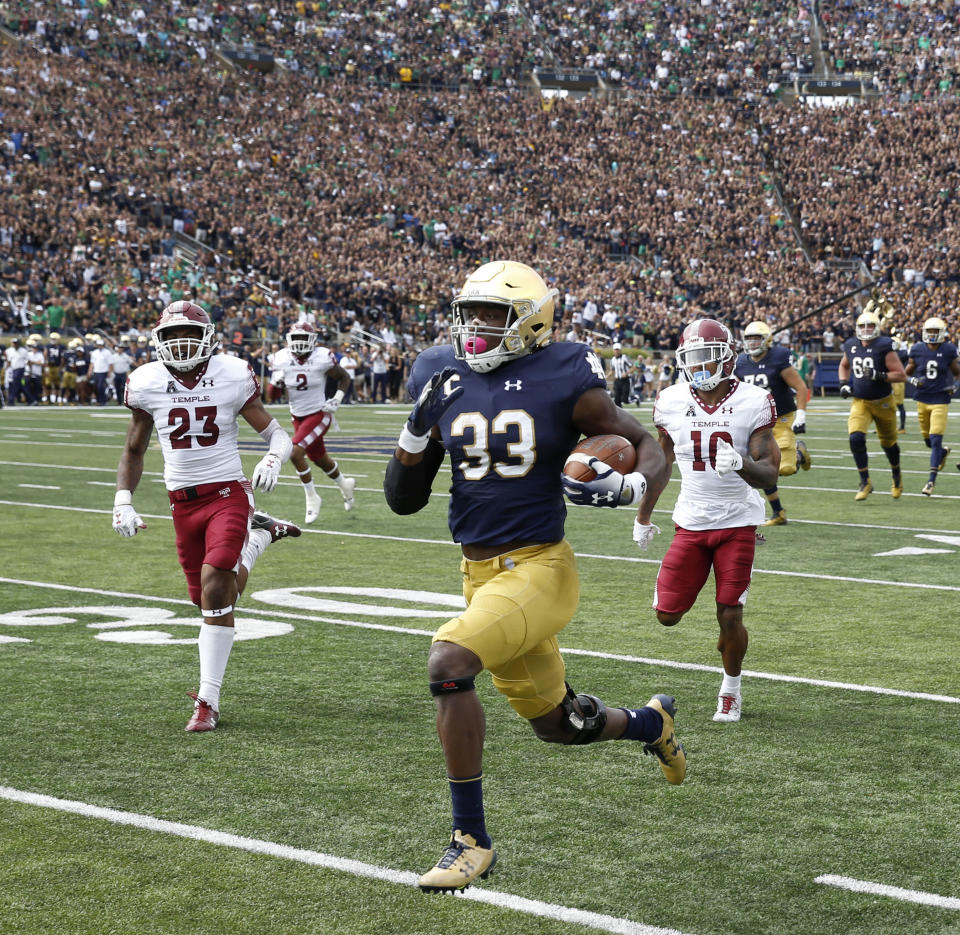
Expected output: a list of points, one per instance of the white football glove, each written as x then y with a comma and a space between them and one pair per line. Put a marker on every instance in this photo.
643, 534
126, 521
266, 473
728, 458
800, 421
330, 405
277, 377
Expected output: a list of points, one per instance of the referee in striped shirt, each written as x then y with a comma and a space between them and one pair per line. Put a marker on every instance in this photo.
621, 365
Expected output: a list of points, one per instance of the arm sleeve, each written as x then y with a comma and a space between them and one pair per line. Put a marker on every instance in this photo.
278, 440
407, 489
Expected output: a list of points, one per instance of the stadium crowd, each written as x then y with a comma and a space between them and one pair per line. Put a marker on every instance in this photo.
360, 205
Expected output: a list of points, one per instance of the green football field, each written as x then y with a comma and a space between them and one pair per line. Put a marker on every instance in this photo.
832, 807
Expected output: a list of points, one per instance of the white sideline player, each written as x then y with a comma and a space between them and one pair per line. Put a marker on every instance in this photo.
719, 431
305, 368
194, 396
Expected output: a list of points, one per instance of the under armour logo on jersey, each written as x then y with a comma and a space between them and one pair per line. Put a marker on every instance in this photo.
513, 384
691, 412
727, 410
206, 382
171, 387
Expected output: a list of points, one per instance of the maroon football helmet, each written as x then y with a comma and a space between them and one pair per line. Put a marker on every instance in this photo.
184, 353
302, 339
706, 341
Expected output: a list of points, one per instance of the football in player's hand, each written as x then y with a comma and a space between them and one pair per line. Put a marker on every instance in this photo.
613, 450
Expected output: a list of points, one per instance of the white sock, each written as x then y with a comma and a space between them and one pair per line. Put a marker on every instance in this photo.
257, 542
730, 685
310, 490
215, 644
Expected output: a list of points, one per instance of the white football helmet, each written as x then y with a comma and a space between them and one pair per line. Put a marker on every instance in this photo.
301, 339
757, 337
934, 331
529, 303
706, 341
184, 354
868, 326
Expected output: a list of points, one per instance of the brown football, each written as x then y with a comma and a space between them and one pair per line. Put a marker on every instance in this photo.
614, 450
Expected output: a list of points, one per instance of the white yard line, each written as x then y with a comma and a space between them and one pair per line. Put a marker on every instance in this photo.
894, 892
614, 657
533, 907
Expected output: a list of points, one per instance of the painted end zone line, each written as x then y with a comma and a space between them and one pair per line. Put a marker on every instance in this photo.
533, 907
894, 892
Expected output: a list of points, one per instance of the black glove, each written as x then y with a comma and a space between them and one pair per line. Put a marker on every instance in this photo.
432, 403
916, 381
845, 391
879, 376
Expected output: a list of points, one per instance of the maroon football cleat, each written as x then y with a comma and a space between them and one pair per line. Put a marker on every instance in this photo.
278, 528
204, 716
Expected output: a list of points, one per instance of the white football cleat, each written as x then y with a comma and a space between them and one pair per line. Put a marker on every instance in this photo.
313, 509
349, 483
728, 708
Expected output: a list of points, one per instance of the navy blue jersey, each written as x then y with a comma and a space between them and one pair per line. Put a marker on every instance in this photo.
934, 368
54, 354
865, 361
81, 360
766, 373
508, 436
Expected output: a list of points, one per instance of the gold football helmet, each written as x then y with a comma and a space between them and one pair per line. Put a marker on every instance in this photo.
529, 302
868, 326
934, 331
757, 337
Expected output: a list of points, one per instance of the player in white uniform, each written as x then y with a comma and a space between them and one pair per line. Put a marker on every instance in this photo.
719, 431
304, 368
194, 396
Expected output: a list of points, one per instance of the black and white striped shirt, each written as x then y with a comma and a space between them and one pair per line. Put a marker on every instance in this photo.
621, 366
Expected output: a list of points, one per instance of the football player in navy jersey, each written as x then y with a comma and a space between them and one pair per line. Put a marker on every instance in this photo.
770, 368
932, 369
508, 406
868, 368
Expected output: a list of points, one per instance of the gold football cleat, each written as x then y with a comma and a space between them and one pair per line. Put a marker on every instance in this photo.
866, 488
806, 462
778, 519
666, 748
462, 863
896, 489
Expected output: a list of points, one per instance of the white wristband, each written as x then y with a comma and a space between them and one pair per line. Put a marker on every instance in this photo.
412, 443
122, 498
338, 396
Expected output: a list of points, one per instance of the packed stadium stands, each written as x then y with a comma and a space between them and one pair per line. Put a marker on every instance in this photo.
394, 147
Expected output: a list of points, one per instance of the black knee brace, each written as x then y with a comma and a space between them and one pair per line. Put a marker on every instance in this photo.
589, 721
858, 442
448, 686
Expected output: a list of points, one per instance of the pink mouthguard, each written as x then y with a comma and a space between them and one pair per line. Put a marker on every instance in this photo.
475, 345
